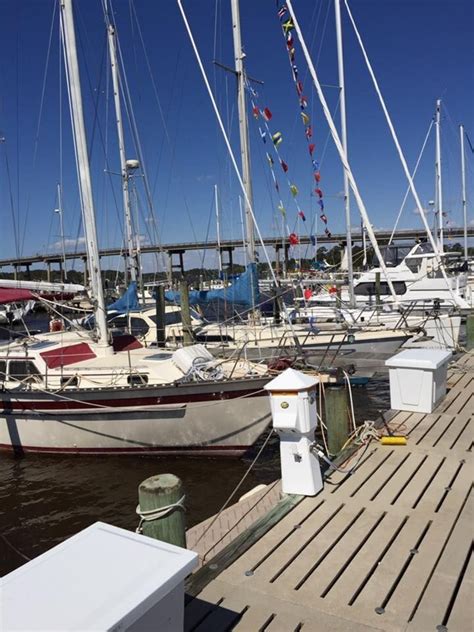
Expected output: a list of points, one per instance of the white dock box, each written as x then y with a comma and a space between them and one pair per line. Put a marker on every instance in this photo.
418, 379
103, 578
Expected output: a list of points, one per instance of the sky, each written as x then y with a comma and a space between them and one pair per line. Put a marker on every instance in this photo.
421, 50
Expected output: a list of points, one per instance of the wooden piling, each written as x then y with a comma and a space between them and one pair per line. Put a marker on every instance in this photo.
159, 492
185, 314
337, 420
377, 289
470, 332
160, 316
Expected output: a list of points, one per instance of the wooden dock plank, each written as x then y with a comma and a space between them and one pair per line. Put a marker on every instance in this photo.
433, 606
345, 549
388, 547
367, 559
326, 518
278, 535
367, 470
462, 614
290, 570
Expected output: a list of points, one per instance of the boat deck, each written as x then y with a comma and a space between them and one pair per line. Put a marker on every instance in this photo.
386, 548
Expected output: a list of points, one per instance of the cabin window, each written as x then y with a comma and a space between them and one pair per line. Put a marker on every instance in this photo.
22, 370
69, 381
138, 327
368, 289
3, 369
119, 322
137, 379
171, 318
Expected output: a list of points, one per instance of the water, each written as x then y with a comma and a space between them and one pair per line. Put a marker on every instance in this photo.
44, 499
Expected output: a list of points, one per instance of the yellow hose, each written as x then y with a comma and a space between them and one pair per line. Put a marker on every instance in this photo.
393, 440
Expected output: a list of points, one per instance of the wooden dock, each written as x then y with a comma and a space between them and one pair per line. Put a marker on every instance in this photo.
388, 547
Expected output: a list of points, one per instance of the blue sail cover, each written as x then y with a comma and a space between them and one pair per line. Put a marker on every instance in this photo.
128, 301
243, 291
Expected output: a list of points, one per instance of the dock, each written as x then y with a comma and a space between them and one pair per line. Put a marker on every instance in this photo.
388, 547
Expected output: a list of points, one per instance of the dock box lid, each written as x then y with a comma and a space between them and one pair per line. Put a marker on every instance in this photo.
98, 579
419, 359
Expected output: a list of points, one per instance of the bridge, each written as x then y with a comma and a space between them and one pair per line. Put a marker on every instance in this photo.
226, 246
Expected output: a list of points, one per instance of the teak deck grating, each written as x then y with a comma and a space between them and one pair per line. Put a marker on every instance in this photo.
386, 548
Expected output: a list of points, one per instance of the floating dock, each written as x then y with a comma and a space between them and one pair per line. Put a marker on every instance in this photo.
388, 547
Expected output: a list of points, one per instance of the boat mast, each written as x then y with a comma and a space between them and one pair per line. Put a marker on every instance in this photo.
132, 266
83, 171
342, 103
239, 56
439, 185
59, 211
218, 228
463, 190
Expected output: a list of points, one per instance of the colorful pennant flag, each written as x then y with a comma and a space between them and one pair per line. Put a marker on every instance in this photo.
267, 115
277, 138
294, 190
302, 215
284, 166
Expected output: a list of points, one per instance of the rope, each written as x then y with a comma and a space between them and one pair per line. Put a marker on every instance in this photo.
150, 515
216, 517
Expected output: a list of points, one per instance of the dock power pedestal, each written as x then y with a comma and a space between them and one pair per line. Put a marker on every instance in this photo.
293, 406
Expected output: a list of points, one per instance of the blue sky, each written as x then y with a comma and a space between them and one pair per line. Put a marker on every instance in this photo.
421, 50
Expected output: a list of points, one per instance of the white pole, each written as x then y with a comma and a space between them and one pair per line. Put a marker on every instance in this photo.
242, 224
463, 182
342, 101
239, 56
61, 228
216, 198
439, 185
132, 259
342, 155
82, 163
402, 157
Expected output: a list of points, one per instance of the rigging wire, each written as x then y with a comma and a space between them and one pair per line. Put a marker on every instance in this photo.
407, 192
40, 116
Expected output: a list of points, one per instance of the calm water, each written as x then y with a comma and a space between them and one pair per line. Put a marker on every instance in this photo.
44, 499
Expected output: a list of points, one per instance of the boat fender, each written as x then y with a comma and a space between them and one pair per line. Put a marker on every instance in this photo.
393, 440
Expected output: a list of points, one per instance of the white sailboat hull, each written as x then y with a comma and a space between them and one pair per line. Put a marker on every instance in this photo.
219, 424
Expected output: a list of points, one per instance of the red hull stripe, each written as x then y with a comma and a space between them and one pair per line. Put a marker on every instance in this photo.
96, 405
134, 450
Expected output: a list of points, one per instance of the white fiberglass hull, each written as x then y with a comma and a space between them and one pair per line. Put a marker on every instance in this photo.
199, 424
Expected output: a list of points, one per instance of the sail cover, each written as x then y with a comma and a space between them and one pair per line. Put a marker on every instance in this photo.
10, 295
128, 301
243, 291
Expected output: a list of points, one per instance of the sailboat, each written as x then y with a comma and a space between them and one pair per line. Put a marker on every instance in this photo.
83, 392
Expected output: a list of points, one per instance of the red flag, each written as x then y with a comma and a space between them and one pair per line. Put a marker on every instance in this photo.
289, 41
311, 148
255, 112
309, 132
267, 115
317, 176
284, 166
319, 192
302, 215
293, 238
299, 88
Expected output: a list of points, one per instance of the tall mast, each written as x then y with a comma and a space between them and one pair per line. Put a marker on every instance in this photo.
218, 228
82, 163
439, 186
59, 211
342, 102
132, 259
463, 190
243, 128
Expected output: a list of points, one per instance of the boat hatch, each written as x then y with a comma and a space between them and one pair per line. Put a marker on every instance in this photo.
67, 355
158, 357
42, 345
